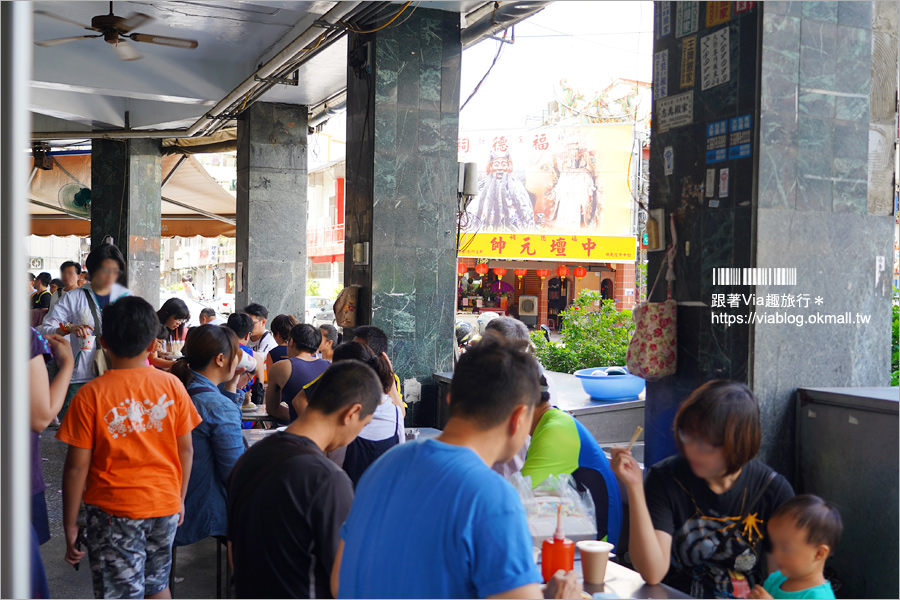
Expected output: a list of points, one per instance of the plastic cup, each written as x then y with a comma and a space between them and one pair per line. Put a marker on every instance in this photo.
247, 363
87, 343
594, 557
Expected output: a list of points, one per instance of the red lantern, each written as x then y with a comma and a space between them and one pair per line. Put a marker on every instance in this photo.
481, 269
520, 273
562, 271
462, 269
499, 272
542, 273
580, 272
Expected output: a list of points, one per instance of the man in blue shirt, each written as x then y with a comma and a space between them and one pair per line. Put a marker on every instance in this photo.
431, 519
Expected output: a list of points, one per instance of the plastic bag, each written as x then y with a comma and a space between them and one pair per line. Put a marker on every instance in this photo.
578, 511
345, 307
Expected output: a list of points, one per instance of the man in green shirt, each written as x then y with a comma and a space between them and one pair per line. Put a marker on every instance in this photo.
560, 445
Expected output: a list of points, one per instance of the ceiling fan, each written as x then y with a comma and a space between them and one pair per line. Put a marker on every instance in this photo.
114, 30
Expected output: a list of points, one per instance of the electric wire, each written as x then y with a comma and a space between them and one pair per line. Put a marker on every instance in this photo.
394, 18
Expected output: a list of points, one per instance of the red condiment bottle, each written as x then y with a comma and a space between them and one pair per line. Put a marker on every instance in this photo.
558, 552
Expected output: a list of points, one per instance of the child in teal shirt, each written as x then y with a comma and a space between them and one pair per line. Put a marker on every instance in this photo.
804, 532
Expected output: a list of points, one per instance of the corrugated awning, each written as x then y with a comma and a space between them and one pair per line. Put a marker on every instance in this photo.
191, 187
221, 141
170, 227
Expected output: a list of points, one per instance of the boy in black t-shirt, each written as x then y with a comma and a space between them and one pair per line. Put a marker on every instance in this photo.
288, 549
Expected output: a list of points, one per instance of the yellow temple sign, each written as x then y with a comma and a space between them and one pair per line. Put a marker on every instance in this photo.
556, 247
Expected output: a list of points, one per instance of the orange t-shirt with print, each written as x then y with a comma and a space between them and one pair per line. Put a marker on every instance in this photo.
130, 419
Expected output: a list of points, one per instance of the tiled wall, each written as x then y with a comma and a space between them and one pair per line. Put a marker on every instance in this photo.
815, 106
828, 72
714, 230
624, 282
818, 80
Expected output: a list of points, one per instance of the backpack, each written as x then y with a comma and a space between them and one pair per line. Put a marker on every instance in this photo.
102, 363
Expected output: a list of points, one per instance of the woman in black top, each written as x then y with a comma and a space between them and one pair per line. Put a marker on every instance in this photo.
698, 519
173, 316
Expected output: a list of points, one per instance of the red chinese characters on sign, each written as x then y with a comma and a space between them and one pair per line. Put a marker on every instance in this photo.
526, 247
540, 142
463, 144
500, 144
740, 7
547, 247
558, 246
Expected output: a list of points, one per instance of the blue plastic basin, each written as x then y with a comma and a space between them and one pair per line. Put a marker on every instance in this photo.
610, 387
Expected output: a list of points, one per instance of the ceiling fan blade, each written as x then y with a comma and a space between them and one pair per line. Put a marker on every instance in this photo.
163, 40
65, 40
134, 21
126, 51
59, 18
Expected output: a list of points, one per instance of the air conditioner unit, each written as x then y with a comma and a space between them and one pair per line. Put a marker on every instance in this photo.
36, 263
528, 309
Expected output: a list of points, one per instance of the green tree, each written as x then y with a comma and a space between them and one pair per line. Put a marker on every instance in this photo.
895, 359
313, 288
590, 337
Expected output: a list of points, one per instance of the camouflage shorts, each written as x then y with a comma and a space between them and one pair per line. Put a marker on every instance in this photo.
130, 558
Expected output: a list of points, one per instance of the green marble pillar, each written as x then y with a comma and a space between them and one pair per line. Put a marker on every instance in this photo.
402, 130
271, 208
126, 179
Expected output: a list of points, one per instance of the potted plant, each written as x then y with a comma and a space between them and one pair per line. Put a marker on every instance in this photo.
591, 337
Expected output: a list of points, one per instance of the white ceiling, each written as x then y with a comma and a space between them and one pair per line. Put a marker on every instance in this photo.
84, 85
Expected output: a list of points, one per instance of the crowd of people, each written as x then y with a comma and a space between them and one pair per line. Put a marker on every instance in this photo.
337, 503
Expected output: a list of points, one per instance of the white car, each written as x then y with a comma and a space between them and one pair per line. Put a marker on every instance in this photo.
314, 306
224, 304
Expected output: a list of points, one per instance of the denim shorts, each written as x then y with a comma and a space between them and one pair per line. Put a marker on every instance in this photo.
130, 558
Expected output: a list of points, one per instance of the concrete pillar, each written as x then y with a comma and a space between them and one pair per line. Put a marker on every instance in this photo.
810, 86
126, 178
271, 208
402, 129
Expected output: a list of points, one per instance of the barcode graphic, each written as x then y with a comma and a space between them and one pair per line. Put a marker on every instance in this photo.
756, 276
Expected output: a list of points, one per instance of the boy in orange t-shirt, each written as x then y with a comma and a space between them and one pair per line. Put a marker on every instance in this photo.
129, 459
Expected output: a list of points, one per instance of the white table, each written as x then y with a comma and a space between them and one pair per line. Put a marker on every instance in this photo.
625, 583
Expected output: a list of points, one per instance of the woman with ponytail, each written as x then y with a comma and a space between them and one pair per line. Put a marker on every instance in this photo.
208, 371
386, 429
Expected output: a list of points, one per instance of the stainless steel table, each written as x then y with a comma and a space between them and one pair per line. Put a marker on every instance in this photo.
257, 415
421, 433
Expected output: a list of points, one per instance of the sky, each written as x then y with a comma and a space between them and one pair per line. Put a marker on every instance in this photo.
588, 43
